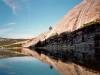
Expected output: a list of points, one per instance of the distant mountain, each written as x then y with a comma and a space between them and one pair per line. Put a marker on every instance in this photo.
85, 12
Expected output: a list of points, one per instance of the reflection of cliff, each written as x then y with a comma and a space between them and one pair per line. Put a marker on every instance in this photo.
67, 68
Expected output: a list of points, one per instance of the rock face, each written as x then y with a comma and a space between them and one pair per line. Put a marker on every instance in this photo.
85, 12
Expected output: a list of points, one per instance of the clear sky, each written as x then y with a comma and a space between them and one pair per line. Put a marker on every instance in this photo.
27, 18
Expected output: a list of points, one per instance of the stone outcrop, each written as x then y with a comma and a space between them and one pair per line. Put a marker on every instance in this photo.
86, 11
82, 45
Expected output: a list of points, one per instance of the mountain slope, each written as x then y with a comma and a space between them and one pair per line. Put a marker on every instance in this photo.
86, 11
36, 39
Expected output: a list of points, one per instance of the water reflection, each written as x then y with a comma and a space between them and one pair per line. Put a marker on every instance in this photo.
25, 66
67, 68
64, 68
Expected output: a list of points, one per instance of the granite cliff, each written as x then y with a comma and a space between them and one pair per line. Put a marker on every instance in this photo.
86, 11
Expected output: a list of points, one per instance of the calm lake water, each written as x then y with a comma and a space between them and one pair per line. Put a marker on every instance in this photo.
25, 66
18, 64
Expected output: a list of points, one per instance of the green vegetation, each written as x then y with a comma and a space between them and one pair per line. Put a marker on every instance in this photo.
91, 23
9, 43
50, 28
13, 45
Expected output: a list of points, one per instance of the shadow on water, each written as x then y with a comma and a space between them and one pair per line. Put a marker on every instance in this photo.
68, 58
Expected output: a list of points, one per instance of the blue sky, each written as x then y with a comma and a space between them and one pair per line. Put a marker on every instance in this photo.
27, 18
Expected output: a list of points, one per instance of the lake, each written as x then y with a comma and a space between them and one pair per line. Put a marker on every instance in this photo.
30, 62
25, 66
